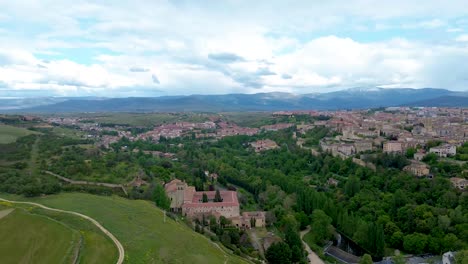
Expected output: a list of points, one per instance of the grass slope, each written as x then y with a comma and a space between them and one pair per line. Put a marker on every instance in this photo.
141, 229
28, 238
9, 134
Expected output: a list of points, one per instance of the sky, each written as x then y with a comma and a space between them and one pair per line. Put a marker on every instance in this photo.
155, 48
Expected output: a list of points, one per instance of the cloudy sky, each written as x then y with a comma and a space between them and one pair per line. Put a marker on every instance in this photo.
151, 48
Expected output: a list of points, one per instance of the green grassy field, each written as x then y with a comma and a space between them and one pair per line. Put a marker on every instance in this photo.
67, 132
87, 243
141, 228
9, 134
29, 238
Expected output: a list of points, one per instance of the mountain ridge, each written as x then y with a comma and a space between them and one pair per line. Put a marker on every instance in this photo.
354, 98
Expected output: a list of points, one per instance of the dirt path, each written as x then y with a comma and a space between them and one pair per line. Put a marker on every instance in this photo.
6, 212
32, 164
110, 185
96, 223
312, 257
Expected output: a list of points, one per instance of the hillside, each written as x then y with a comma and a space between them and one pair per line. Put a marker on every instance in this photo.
443, 101
140, 226
31, 234
9, 134
355, 98
28, 238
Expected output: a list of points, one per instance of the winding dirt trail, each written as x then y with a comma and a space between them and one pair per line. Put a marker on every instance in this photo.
96, 223
311, 256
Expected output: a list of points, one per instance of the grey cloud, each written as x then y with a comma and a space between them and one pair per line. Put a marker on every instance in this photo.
138, 69
248, 80
155, 79
41, 66
62, 81
225, 57
264, 72
286, 76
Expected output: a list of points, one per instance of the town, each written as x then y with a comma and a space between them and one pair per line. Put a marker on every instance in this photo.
326, 186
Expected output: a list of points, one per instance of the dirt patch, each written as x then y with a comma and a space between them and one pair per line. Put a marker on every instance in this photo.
6, 212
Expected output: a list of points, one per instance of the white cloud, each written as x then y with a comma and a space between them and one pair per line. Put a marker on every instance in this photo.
462, 38
232, 46
454, 30
427, 24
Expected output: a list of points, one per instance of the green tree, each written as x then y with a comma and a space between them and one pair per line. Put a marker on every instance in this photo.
321, 226
410, 153
160, 197
415, 243
205, 198
399, 259
218, 197
352, 186
461, 257
293, 240
278, 253
366, 259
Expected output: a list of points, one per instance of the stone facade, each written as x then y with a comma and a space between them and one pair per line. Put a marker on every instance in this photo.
392, 147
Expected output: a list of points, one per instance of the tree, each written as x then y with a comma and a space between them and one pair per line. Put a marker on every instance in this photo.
278, 253
399, 259
366, 259
352, 186
160, 197
205, 198
218, 197
293, 240
410, 153
415, 243
461, 257
321, 226
303, 220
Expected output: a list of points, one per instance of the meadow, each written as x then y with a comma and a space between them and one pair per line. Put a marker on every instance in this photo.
30, 238
146, 234
9, 134
35, 235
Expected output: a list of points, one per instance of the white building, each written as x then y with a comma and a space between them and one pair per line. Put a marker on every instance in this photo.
444, 150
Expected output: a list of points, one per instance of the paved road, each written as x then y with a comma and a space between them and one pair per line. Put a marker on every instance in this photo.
312, 257
96, 223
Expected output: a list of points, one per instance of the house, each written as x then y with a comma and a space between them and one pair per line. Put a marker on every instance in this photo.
186, 200
332, 181
392, 147
251, 219
419, 156
417, 168
346, 149
459, 183
362, 146
444, 150
262, 145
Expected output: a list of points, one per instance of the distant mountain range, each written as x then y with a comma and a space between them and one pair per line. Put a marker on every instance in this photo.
355, 98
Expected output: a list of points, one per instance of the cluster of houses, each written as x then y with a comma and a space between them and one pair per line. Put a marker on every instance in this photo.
263, 145
191, 203
395, 130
